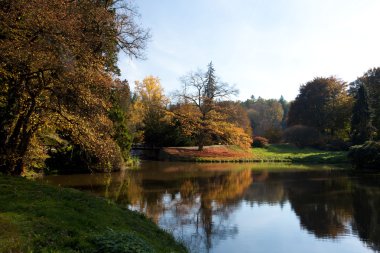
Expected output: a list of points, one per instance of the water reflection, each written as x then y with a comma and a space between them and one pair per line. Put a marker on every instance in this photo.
203, 205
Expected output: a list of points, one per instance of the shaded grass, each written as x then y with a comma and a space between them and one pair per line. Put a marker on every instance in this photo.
40, 218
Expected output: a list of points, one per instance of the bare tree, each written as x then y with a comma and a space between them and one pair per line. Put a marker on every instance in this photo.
203, 90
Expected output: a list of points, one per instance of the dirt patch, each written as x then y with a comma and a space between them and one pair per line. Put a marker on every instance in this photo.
208, 152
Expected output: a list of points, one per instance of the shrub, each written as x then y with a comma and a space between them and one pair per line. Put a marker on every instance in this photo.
303, 136
366, 156
260, 142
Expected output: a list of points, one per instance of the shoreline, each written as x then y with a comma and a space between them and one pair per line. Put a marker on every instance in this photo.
278, 153
38, 217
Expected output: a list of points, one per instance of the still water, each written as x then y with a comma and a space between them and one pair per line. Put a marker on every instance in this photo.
248, 207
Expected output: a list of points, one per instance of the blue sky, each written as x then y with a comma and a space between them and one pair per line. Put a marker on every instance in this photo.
266, 48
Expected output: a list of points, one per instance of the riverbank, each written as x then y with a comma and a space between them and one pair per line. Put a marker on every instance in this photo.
38, 218
273, 153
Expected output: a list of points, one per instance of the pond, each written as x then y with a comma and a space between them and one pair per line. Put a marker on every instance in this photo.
248, 207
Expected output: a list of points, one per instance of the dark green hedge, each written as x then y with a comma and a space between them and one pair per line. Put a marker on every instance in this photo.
366, 156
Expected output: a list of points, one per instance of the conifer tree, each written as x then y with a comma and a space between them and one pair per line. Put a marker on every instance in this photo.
211, 82
361, 124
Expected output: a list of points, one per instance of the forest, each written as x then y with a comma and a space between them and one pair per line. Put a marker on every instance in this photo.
62, 103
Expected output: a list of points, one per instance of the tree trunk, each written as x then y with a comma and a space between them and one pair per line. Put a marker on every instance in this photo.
14, 150
202, 133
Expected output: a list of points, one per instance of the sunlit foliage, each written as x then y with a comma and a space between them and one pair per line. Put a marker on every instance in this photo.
57, 59
150, 111
203, 117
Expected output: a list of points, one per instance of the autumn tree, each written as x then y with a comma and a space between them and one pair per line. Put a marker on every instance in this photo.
201, 93
324, 104
266, 116
57, 60
236, 114
150, 109
361, 123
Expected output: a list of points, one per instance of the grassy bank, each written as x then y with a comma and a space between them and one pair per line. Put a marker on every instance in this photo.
273, 153
41, 218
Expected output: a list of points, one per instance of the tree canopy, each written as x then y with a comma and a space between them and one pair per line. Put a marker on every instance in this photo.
361, 123
204, 118
324, 104
57, 61
371, 81
266, 117
149, 109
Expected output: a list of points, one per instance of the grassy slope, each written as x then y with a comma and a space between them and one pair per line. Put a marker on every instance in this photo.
40, 218
274, 153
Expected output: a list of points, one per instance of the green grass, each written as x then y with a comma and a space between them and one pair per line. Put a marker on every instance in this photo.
288, 153
38, 218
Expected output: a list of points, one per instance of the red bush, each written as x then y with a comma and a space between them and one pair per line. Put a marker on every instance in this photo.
260, 142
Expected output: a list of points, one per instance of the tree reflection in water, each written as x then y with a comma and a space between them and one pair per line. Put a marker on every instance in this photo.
196, 203
366, 212
195, 209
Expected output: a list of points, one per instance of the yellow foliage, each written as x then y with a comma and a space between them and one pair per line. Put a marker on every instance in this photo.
150, 92
215, 123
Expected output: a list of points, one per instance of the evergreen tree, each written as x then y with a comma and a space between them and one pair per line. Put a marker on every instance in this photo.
121, 105
211, 82
371, 79
285, 108
361, 124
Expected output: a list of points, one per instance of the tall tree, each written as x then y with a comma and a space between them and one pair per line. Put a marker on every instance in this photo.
285, 108
371, 80
200, 94
120, 114
57, 60
150, 106
325, 104
361, 123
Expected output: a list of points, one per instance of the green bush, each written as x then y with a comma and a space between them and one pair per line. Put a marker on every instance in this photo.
260, 142
366, 156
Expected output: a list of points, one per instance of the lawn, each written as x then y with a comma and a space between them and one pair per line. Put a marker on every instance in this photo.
289, 153
38, 218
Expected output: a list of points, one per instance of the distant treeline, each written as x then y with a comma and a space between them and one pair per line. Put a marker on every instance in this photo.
327, 112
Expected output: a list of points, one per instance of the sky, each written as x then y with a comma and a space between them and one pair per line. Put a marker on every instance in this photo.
265, 48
